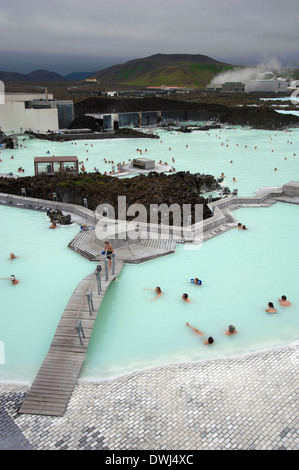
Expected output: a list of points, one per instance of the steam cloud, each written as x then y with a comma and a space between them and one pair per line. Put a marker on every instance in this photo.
245, 74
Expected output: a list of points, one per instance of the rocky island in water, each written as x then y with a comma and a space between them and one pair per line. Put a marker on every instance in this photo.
155, 188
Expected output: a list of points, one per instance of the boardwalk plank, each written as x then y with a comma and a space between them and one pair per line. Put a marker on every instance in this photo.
54, 383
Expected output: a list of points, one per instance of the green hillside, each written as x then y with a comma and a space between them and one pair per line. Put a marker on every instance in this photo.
184, 70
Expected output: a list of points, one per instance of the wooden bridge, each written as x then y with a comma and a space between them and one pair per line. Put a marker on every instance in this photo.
52, 388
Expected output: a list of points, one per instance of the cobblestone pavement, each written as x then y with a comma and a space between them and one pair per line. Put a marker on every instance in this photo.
244, 403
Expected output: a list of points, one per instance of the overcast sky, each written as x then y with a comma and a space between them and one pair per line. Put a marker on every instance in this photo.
87, 35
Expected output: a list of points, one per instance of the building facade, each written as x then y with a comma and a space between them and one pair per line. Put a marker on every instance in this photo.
34, 111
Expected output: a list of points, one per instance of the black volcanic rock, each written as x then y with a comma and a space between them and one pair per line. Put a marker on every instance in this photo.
262, 117
155, 188
57, 216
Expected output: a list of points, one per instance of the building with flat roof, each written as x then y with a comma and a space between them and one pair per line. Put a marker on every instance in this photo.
54, 165
34, 111
65, 109
144, 163
214, 87
267, 86
233, 87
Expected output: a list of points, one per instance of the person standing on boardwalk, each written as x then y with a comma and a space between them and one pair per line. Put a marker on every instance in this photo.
109, 252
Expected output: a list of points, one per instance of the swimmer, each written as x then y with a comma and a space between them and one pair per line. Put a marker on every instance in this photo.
222, 175
209, 341
231, 330
234, 180
194, 329
185, 298
12, 256
239, 226
244, 227
284, 302
271, 308
13, 279
197, 282
53, 225
158, 292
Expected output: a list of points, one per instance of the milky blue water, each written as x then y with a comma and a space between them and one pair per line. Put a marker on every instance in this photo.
48, 272
241, 272
254, 154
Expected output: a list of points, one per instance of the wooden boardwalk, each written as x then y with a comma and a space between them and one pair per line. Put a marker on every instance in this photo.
52, 388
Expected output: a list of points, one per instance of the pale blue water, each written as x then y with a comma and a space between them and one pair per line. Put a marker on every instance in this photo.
241, 272
209, 153
48, 272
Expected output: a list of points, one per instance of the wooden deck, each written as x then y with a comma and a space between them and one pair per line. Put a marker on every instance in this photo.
52, 388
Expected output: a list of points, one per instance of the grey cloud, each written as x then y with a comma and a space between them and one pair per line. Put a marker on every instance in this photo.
229, 30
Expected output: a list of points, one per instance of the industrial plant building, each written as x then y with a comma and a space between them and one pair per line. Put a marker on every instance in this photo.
253, 86
267, 86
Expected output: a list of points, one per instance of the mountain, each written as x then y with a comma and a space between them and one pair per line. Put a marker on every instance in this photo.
78, 76
194, 70
36, 76
186, 70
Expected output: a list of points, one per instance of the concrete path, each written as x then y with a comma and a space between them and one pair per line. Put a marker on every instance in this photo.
242, 403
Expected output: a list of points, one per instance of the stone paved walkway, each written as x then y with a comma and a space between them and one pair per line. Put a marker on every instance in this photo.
249, 402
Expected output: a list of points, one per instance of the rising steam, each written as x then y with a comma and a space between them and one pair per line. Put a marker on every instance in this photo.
265, 71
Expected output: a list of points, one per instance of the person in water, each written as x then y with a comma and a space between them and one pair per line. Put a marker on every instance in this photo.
194, 329
158, 292
12, 256
209, 341
231, 330
185, 298
13, 279
284, 302
53, 225
197, 282
271, 308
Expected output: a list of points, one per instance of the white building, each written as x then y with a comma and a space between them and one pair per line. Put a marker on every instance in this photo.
267, 86
295, 84
15, 113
